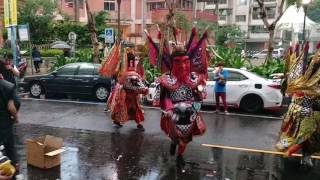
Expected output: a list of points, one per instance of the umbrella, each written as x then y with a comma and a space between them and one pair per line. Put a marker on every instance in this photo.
292, 19
60, 45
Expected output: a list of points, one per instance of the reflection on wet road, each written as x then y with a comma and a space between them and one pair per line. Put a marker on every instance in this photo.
95, 150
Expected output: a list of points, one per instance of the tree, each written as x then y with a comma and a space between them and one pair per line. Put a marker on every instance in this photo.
182, 23
93, 33
39, 15
270, 26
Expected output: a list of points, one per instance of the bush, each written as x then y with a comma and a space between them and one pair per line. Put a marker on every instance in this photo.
230, 56
4, 51
83, 55
271, 67
51, 52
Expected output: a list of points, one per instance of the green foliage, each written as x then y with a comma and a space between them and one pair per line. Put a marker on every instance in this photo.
4, 51
211, 27
229, 34
271, 67
182, 22
151, 72
83, 55
230, 56
61, 31
51, 52
39, 15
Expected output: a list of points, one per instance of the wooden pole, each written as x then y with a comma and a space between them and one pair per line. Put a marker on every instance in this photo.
253, 150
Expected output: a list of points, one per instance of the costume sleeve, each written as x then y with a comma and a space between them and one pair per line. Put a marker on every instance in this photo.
165, 101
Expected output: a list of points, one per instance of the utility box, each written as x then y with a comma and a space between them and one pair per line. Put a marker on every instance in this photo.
44, 152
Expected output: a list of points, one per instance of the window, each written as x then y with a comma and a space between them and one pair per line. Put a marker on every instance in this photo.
86, 69
68, 3
67, 70
156, 5
242, 2
256, 13
235, 76
271, 12
241, 18
109, 5
222, 18
211, 2
223, 1
96, 69
258, 29
211, 76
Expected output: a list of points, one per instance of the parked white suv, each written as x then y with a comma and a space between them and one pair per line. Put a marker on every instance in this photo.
276, 53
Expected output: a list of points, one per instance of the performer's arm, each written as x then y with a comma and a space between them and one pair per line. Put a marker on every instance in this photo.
13, 110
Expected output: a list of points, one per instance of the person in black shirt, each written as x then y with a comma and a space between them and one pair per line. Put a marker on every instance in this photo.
8, 116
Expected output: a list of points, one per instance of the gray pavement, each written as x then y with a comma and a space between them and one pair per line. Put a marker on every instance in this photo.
96, 150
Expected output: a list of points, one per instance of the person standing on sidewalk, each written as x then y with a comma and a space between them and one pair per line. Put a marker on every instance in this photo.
220, 77
36, 57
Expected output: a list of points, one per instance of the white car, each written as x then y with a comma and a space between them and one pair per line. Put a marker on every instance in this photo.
247, 91
276, 53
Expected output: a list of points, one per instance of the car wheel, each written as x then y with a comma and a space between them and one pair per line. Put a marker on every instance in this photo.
36, 89
101, 93
251, 103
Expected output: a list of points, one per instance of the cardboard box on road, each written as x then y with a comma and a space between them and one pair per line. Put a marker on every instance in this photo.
44, 152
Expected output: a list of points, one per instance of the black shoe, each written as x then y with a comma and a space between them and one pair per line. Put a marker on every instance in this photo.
173, 148
180, 162
139, 126
117, 124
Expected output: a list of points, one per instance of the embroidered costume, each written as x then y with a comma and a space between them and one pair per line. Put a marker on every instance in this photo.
181, 90
124, 101
300, 128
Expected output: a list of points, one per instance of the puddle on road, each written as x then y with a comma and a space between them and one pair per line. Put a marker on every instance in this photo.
134, 155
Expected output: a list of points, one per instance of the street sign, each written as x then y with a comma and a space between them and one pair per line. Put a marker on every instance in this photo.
10, 13
13, 8
6, 13
23, 31
109, 35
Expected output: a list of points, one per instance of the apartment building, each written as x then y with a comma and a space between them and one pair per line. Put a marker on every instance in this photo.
136, 15
246, 14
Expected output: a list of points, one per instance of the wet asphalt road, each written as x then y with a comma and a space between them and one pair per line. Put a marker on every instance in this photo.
96, 150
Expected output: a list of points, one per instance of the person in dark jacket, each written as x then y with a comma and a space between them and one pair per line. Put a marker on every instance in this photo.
8, 116
37, 60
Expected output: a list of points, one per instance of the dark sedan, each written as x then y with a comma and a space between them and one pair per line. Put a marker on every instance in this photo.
71, 79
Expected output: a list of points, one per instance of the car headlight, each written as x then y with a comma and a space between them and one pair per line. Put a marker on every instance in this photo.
200, 88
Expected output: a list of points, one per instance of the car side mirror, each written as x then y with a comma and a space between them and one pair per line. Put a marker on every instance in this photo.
54, 73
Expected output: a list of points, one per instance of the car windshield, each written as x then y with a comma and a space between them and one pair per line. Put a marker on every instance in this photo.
256, 75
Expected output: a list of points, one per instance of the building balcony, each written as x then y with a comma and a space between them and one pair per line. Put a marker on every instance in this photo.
159, 15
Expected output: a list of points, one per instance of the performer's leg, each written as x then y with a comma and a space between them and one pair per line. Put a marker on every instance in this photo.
224, 100
217, 101
180, 161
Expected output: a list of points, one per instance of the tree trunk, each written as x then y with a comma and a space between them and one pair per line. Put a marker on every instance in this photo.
93, 34
270, 45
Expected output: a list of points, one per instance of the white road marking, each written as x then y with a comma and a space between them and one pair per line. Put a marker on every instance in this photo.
149, 107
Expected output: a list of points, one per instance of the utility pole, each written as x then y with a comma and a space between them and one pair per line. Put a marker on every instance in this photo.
194, 11
143, 18
76, 10
119, 29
